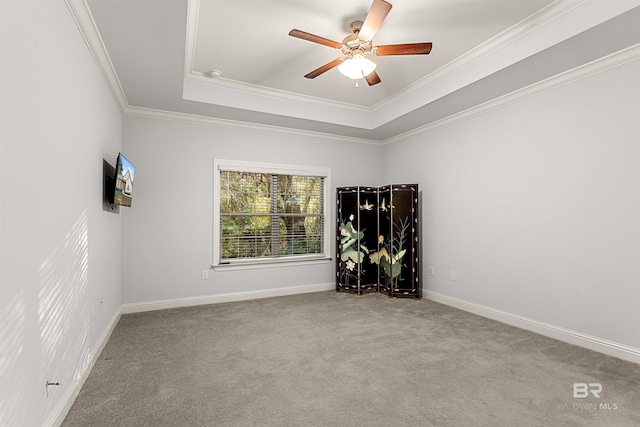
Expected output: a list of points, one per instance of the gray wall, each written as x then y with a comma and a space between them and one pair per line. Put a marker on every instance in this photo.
536, 205
167, 234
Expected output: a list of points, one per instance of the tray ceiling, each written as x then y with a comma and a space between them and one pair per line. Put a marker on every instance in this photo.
160, 51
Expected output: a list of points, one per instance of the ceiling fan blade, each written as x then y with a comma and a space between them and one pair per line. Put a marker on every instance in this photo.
372, 78
326, 67
379, 10
403, 49
315, 39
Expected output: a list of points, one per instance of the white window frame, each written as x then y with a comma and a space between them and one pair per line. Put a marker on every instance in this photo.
269, 168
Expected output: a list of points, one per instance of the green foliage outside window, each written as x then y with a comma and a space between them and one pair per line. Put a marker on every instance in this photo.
265, 215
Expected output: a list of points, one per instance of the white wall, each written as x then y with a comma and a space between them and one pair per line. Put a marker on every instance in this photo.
60, 251
167, 233
536, 206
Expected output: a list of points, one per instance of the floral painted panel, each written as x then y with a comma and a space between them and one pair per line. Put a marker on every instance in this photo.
355, 228
399, 256
377, 240
369, 228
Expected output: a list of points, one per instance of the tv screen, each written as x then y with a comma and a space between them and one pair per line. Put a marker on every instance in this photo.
125, 172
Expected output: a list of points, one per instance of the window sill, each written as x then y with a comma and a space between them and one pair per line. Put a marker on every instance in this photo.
253, 264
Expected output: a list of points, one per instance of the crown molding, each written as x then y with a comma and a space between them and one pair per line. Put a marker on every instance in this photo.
616, 59
502, 39
554, 24
193, 7
234, 124
469, 67
84, 20
244, 96
88, 29
595, 11
236, 94
274, 94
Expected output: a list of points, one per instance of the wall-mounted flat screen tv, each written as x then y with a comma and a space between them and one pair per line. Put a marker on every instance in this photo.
120, 187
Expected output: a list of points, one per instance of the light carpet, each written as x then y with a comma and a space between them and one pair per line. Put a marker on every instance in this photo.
333, 359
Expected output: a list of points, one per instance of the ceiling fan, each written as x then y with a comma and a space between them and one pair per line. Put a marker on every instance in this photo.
357, 46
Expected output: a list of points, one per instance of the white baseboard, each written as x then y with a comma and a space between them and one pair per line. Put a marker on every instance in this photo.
600, 345
231, 297
614, 349
61, 410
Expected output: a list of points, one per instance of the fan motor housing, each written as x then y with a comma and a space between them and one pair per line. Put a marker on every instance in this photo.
352, 42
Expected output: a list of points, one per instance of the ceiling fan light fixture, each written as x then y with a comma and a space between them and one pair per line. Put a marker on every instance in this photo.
356, 67
357, 46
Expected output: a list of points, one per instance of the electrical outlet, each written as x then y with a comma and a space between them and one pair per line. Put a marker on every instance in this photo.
453, 275
48, 384
205, 274
432, 271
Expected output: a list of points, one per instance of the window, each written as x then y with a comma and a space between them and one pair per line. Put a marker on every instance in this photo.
266, 214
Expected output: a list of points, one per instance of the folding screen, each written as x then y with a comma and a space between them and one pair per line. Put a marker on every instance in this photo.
377, 240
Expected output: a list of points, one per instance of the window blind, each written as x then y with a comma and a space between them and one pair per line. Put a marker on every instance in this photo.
270, 215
